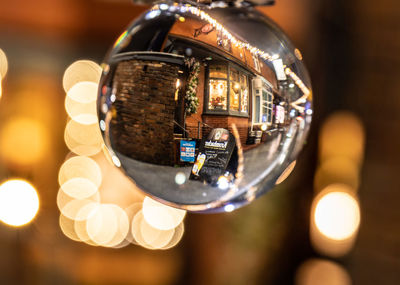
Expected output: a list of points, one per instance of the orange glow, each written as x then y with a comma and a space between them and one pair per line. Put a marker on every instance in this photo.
342, 135
19, 202
24, 141
116, 188
336, 170
320, 271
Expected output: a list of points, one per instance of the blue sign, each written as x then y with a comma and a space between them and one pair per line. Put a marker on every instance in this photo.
187, 150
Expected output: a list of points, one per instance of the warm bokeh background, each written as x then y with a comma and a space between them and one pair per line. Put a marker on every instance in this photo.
351, 49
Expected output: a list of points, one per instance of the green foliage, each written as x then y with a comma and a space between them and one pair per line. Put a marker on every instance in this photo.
191, 100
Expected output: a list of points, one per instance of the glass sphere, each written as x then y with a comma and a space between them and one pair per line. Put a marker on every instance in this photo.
204, 108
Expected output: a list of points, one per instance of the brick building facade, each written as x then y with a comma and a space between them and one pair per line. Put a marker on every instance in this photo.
143, 124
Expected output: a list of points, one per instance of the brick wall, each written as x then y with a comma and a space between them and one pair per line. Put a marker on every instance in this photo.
143, 127
218, 121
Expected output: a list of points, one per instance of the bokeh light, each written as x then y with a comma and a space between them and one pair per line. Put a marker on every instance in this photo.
336, 212
3, 64
79, 188
83, 139
99, 205
1, 86
320, 271
81, 70
342, 134
19, 202
80, 166
83, 113
83, 92
23, 141
337, 170
161, 216
154, 237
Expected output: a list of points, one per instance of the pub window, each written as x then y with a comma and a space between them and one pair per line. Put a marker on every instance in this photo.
224, 90
218, 87
263, 106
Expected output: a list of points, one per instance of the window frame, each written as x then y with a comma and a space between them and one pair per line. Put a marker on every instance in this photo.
228, 110
270, 104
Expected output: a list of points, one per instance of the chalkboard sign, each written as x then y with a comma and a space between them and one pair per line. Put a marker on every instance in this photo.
215, 157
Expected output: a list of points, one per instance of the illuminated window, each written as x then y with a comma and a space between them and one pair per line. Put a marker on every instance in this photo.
227, 94
263, 106
234, 92
218, 91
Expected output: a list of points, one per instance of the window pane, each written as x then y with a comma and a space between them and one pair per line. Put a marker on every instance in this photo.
234, 90
244, 100
218, 71
257, 109
218, 91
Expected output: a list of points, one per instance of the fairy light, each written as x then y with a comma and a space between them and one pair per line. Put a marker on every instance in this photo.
220, 28
302, 87
253, 50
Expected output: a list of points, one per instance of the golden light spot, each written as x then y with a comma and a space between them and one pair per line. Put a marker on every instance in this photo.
83, 92
161, 216
136, 232
80, 166
67, 227
23, 141
123, 226
3, 64
320, 271
19, 202
336, 213
285, 174
178, 234
342, 134
336, 170
116, 187
1, 87
154, 237
80, 222
84, 134
131, 212
72, 208
79, 188
63, 198
84, 149
81, 70
298, 54
83, 113
102, 225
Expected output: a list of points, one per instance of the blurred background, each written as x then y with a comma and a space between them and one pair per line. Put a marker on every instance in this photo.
351, 49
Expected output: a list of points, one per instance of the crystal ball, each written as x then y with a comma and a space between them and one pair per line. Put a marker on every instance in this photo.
204, 108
